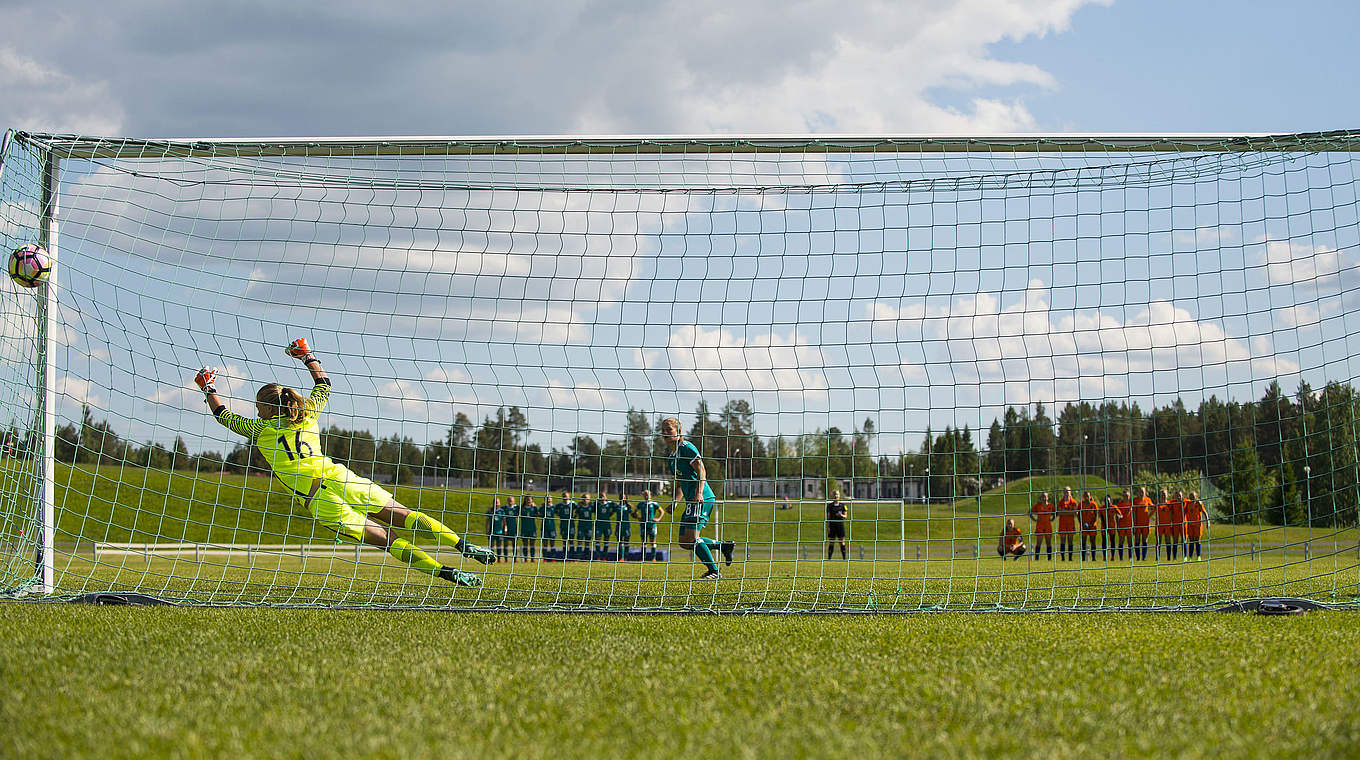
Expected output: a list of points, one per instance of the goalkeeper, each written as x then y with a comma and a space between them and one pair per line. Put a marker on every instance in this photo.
287, 436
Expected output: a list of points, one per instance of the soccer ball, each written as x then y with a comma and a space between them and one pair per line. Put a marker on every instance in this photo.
29, 265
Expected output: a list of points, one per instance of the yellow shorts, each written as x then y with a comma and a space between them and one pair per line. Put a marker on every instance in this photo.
343, 504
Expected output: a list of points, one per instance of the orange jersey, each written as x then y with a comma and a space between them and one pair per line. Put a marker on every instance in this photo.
1163, 518
1042, 512
1090, 512
1067, 515
1194, 519
1012, 538
1142, 512
1123, 515
1177, 510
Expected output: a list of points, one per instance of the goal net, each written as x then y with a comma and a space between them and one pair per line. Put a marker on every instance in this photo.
1041, 372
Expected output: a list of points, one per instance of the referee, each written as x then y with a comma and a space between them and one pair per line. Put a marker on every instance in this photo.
835, 524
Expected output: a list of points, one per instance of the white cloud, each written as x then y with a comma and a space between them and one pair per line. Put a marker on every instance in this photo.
42, 98
78, 391
576, 65
1293, 263
718, 360
1032, 352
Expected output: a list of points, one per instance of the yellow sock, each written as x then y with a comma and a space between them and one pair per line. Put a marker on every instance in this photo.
420, 520
407, 552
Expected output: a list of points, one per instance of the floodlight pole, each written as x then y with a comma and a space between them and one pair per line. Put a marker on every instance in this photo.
46, 412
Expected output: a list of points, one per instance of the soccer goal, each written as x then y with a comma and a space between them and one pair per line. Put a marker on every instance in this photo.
916, 373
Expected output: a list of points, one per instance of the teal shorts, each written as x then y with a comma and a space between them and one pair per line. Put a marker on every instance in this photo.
583, 530
528, 528
603, 530
647, 530
697, 514
625, 530
550, 528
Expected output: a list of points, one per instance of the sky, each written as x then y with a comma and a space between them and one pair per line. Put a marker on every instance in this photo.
932, 329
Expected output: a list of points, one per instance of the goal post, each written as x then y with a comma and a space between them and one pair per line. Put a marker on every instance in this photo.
953, 331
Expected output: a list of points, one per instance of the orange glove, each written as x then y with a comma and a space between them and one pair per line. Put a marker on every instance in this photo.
205, 379
299, 349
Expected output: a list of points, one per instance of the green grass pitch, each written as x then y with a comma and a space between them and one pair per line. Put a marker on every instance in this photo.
102, 682
216, 682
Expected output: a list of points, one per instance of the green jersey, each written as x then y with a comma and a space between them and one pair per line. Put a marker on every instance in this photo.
682, 464
293, 450
583, 510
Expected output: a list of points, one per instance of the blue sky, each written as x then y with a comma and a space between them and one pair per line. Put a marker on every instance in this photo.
911, 308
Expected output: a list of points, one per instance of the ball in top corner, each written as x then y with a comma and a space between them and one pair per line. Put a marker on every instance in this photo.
29, 265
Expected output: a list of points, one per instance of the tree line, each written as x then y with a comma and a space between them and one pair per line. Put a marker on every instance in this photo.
1282, 458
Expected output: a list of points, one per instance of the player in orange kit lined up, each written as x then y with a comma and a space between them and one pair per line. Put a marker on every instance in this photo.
1196, 521
1178, 525
1090, 512
1067, 525
1122, 518
1141, 508
1164, 535
1042, 515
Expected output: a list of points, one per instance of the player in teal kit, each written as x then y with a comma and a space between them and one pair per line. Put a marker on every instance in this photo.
565, 509
511, 523
692, 479
625, 515
649, 514
549, 515
583, 515
528, 527
604, 523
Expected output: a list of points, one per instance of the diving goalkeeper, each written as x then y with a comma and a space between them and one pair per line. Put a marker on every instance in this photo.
355, 507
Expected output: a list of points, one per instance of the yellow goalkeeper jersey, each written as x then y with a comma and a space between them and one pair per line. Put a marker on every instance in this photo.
292, 450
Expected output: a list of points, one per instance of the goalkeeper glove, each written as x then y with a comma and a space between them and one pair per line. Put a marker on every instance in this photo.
205, 379
299, 349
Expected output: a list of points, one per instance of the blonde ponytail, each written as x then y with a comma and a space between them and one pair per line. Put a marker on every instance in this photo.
285, 401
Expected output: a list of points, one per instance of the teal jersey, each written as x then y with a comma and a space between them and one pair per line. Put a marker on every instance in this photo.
682, 464
583, 510
565, 509
511, 520
648, 510
625, 512
605, 511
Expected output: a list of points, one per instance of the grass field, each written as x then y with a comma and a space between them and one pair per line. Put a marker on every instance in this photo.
917, 556
168, 682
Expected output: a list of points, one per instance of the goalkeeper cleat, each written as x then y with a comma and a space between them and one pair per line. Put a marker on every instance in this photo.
711, 575
727, 548
479, 553
459, 578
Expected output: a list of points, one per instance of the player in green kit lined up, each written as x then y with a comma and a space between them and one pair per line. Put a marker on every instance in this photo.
528, 527
549, 515
649, 515
692, 478
565, 509
288, 437
604, 524
511, 523
583, 515
625, 532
